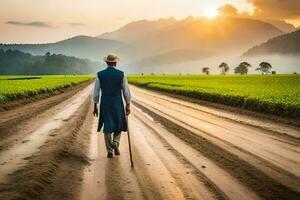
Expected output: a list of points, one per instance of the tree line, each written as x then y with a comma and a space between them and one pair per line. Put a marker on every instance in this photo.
242, 68
15, 62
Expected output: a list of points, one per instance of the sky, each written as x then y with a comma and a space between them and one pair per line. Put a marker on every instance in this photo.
42, 21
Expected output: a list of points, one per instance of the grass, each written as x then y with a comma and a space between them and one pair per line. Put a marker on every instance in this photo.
274, 94
17, 87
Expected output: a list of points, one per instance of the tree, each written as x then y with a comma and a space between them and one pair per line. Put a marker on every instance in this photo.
205, 70
17, 62
264, 67
224, 68
242, 68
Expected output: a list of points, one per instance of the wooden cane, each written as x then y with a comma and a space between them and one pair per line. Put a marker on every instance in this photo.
129, 144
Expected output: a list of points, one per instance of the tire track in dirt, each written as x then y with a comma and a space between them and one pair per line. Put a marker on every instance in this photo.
212, 124
225, 185
247, 174
18, 112
272, 154
261, 122
32, 172
260, 144
192, 184
65, 185
280, 174
16, 156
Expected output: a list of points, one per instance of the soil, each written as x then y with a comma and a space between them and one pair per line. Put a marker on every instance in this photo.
49, 149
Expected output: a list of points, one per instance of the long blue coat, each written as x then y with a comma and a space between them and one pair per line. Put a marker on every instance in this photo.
112, 114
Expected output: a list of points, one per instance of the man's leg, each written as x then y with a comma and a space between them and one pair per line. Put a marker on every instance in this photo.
109, 144
116, 142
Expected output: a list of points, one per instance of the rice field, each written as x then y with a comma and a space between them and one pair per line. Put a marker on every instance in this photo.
274, 94
17, 87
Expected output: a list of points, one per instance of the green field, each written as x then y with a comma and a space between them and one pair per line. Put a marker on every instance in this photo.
17, 87
275, 94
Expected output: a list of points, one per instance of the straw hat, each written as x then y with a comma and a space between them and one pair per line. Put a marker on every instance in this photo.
111, 58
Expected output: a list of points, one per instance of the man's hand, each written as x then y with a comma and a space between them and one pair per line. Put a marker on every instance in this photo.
127, 109
95, 110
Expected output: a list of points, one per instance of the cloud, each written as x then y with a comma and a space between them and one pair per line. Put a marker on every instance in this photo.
75, 24
266, 9
34, 23
276, 9
228, 10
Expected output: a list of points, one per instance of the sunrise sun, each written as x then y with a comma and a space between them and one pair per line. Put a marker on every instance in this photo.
211, 13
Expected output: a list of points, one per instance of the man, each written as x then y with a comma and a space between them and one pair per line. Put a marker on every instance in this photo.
112, 83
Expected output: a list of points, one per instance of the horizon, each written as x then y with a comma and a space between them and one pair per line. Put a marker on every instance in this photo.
113, 30
27, 24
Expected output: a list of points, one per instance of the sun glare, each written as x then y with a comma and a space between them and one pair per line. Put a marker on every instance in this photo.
211, 13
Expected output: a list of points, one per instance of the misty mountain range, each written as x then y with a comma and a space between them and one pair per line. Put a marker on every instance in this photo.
148, 43
283, 44
79, 46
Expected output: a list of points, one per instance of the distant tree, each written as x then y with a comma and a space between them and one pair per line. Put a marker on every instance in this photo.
242, 68
264, 67
48, 54
17, 62
205, 70
224, 68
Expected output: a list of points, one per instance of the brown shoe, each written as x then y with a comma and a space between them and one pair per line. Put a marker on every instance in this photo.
110, 155
116, 148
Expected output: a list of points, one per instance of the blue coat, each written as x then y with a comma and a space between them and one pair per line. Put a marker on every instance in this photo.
112, 114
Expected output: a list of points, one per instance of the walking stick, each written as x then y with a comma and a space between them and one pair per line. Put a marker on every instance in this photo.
129, 144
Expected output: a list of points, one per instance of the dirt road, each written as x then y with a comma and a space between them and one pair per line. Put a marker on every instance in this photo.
182, 150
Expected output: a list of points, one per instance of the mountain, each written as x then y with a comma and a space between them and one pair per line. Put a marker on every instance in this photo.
164, 41
285, 44
79, 46
223, 35
175, 56
136, 29
14, 62
282, 25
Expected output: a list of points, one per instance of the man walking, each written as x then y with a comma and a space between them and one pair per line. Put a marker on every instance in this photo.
112, 83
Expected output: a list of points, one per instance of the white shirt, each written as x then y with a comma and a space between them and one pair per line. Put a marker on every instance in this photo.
125, 90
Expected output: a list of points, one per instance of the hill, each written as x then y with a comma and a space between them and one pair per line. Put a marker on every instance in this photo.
282, 25
80, 46
207, 34
14, 62
136, 29
285, 44
164, 41
175, 56
223, 35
